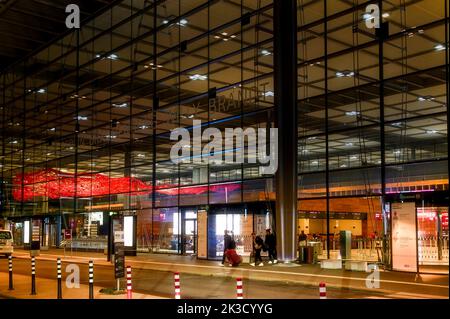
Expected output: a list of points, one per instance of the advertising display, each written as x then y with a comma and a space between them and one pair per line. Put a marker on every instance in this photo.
404, 237
202, 225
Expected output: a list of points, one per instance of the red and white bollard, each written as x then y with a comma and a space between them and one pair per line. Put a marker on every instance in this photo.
239, 289
176, 277
323, 290
129, 291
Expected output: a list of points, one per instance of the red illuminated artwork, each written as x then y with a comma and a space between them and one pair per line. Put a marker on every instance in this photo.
55, 184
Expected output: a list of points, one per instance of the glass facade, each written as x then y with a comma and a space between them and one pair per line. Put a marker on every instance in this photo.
86, 126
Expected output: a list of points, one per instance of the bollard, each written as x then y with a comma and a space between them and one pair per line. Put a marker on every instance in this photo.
176, 277
91, 279
58, 265
33, 275
239, 289
129, 291
10, 270
322, 291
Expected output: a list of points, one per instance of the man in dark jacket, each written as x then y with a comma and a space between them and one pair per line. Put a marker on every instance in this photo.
271, 245
226, 244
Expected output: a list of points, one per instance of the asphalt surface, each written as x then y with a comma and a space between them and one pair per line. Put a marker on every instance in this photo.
160, 283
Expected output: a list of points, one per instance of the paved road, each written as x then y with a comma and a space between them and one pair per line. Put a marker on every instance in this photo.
160, 283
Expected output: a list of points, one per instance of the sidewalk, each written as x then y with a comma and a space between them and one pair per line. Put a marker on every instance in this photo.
47, 289
433, 286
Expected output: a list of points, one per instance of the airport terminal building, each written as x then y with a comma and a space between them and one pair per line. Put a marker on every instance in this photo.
361, 111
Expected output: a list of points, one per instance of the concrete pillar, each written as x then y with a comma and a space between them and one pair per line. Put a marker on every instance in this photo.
285, 78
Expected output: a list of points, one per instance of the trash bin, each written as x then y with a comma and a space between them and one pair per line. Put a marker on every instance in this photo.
309, 254
301, 254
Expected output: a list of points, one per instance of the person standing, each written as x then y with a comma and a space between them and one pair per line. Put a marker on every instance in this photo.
271, 244
226, 245
257, 246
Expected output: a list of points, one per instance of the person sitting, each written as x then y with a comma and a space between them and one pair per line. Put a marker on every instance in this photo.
231, 255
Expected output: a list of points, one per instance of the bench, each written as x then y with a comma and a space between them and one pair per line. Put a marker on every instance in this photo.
331, 264
356, 265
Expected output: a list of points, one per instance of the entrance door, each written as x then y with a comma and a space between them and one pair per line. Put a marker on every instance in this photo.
189, 231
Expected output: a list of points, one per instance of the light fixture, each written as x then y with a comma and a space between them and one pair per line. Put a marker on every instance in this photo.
397, 152
439, 47
143, 127
141, 155
343, 166
349, 144
81, 118
41, 91
196, 77
345, 73
152, 66
398, 124
265, 52
48, 154
111, 136
312, 138
352, 113
52, 129
224, 36
431, 131
14, 142
76, 96
425, 98
353, 157
120, 105
314, 162
183, 22
386, 15
111, 56
268, 94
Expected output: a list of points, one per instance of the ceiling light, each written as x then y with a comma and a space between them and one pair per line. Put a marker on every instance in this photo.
143, 127
352, 113
397, 152
312, 138
398, 124
111, 56
13, 142
196, 77
268, 93
111, 136
48, 154
425, 98
265, 52
141, 155
343, 166
346, 73
120, 105
76, 96
439, 47
81, 118
314, 162
52, 129
165, 21
153, 66
431, 131
353, 157
183, 22
42, 91
349, 144
386, 15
